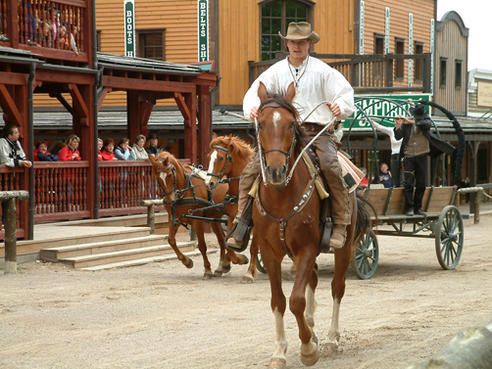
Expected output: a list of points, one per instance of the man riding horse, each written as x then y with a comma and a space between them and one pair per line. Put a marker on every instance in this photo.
315, 82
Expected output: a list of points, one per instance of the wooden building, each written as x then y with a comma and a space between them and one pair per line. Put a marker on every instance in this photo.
48, 48
451, 64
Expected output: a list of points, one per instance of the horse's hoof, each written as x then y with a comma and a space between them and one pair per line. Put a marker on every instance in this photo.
277, 364
208, 275
218, 273
242, 259
310, 360
247, 278
226, 268
188, 263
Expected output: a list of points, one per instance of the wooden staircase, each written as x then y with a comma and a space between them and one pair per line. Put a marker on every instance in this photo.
134, 246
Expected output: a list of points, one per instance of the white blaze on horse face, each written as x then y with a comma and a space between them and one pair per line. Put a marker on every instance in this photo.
213, 158
163, 176
276, 118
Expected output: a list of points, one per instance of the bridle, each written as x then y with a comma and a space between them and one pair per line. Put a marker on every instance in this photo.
262, 153
228, 161
172, 170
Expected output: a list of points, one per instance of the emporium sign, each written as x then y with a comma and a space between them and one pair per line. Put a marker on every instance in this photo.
203, 48
129, 9
382, 109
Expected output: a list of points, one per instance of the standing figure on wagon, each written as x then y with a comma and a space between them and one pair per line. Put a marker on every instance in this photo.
315, 82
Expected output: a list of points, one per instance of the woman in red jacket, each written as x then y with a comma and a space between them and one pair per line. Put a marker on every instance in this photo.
70, 151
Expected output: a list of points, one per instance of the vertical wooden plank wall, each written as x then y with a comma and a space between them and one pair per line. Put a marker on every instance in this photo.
451, 44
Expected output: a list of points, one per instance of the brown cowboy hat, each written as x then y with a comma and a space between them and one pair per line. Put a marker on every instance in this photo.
300, 31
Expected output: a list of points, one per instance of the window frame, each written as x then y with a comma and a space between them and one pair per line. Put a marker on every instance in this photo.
443, 75
418, 63
458, 81
147, 31
98, 40
378, 36
399, 63
283, 19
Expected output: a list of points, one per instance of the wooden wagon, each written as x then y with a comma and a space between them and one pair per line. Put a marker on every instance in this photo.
442, 221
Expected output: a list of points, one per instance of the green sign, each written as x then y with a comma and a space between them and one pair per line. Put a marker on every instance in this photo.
203, 30
382, 109
129, 9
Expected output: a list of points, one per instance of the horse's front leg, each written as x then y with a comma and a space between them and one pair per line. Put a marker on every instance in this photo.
303, 309
278, 305
224, 262
250, 275
342, 260
173, 228
202, 246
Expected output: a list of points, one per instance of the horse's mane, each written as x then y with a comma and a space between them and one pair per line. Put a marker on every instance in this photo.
166, 155
238, 146
282, 102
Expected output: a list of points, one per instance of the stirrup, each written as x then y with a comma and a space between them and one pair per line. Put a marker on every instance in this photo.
238, 237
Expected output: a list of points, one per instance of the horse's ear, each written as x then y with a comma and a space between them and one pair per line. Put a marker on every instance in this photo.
291, 92
262, 92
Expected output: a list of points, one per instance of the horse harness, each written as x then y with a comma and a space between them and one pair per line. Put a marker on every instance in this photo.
194, 200
220, 175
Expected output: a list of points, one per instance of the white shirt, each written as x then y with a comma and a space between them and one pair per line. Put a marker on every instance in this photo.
317, 82
395, 144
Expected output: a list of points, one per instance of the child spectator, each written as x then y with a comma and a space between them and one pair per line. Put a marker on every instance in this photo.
100, 145
41, 153
384, 177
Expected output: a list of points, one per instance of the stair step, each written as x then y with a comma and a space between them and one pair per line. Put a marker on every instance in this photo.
124, 255
135, 262
54, 253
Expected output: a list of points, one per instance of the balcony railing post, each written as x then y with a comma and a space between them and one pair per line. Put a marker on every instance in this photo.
13, 24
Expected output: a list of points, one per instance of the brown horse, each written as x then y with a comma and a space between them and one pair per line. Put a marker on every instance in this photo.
184, 192
286, 221
229, 155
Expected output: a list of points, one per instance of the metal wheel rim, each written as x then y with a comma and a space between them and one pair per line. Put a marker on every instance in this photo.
366, 256
449, 238
259, 263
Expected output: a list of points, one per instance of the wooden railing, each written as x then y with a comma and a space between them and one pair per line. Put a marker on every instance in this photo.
123, 185
60, 190
56, 29
371, 73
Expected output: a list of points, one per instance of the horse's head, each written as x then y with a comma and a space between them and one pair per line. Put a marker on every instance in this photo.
277, 125
220, 159
164, 168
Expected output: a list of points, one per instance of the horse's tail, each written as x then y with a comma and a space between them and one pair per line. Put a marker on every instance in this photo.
363, 223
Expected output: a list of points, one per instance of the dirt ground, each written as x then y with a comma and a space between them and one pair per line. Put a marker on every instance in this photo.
165, 316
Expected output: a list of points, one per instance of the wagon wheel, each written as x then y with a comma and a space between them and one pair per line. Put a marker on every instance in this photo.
366, 256
448, 231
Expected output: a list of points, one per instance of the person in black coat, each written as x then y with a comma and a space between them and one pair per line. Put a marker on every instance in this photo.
418, 142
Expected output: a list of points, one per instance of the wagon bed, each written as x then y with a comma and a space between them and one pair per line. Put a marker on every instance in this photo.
442, 221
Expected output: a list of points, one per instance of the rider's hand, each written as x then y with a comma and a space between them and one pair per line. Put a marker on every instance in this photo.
253, 114
335, 109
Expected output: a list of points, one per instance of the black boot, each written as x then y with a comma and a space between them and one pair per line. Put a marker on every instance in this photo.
238, 238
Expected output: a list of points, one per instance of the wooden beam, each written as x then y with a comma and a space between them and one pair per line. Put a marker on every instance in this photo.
183, 108
79, 101
101, 96
11, 78
58, 76
9, 106
147, 85
63, 101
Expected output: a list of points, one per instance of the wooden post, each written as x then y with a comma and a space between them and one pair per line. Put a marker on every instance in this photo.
476, 214
10, 218
151, 218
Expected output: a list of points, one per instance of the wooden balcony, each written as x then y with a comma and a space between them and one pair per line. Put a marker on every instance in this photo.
372, 73
53, 29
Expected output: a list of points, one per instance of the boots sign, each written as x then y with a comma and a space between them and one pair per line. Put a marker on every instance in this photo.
129, 9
